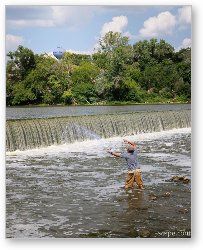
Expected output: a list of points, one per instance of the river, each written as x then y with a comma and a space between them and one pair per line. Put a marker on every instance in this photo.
76, 189
61, 111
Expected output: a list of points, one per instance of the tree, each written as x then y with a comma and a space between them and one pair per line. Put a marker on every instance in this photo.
22, 95
100, 59
83, 82
21, 62
37, 80
182, 88
84, 93
183, 59
68, 97
164, 51
151, 76
76, 59
159, 75
129, 91
142, 53
112, 40
146, 52
85, 73
115, 54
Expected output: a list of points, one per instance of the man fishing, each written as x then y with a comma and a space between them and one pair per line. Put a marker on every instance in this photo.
134, 172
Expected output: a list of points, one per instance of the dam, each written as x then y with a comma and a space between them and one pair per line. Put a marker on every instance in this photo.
24, 134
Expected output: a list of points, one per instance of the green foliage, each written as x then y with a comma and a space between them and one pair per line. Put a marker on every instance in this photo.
145, 72
100, 59
113, 40
84, 93
85, 73
22, 95
67, 97
132, 91
75, 59
21, 62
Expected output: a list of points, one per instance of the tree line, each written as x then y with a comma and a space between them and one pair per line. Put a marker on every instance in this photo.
148, 71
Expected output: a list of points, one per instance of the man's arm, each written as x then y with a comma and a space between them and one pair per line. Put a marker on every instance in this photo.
114, 153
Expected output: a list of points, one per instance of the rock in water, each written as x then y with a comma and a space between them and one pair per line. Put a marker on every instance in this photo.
145, 233
167, 194
183, 210
183, 179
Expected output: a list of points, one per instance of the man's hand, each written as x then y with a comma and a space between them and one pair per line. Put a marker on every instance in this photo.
108, 151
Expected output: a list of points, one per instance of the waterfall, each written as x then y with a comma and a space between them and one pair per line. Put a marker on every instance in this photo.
36, 133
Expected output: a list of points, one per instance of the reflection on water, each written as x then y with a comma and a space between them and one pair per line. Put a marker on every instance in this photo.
77, 190
135, 200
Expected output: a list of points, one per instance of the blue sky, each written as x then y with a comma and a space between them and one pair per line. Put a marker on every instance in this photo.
78, 28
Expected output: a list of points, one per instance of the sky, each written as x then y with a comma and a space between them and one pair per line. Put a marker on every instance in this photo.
42, 28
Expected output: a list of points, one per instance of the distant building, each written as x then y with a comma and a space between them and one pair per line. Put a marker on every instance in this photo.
58, 53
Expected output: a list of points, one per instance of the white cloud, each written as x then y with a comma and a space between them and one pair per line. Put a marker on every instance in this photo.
186, 43
23, 23
63, 15
184, 15
118, 24
129, 35
59, 14
72, 17
85, 52
48, 16
164, 23
12, 42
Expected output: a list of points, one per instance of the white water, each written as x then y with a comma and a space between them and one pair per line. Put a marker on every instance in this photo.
98, 147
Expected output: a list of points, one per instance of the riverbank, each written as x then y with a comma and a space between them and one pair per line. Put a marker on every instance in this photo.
99, 104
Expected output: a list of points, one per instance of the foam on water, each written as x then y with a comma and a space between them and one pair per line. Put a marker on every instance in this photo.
98, 147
